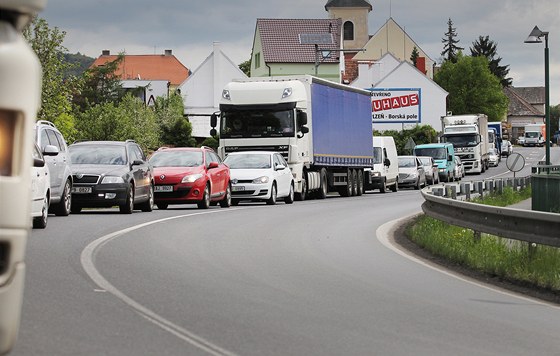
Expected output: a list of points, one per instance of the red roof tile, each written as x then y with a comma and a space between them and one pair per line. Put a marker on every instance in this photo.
148, 67
281, 41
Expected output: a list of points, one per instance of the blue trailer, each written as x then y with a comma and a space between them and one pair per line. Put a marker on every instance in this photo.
496, 127
323, 129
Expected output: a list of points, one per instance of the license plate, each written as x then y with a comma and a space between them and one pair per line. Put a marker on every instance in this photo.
237, 189
163, 188
81, 190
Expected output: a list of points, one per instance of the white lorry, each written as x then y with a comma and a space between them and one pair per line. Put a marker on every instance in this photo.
323, 129
534, 135
469, 136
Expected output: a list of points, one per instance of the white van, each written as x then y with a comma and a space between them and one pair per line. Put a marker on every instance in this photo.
385, 171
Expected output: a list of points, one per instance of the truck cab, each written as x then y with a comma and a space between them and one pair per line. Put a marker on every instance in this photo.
444, 156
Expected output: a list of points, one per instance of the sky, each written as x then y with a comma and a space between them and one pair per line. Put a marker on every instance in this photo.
190, 27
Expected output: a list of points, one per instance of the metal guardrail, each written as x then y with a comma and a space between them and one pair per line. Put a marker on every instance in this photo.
444, 202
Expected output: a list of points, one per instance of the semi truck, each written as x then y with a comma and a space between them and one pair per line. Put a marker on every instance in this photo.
323, 129
469, 136
535, 135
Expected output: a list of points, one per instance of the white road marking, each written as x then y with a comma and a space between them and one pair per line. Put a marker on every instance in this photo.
87, 261
384, 234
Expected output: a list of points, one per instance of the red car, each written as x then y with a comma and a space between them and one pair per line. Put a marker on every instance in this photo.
187, 175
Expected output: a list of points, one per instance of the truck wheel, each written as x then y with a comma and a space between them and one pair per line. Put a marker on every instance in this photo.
323, 189
303, 194
360, 182
395, 187
354, 176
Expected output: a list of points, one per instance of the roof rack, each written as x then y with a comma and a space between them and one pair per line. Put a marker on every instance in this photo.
45, 122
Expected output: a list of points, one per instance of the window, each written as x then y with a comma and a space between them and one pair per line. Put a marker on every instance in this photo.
348, 31
257, 60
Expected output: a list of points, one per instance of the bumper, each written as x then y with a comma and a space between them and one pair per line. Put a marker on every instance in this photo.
181, 194
246, 191
102, 196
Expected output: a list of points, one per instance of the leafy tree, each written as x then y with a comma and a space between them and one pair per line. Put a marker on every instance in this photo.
450, 48
554, 118
175, 129
100, 85
472, 88
80, 63
487, 48
246, 67
414, 55
212, 142
56, 92
420, 134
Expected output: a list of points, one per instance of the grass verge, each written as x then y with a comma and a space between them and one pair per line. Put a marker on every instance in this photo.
513, 261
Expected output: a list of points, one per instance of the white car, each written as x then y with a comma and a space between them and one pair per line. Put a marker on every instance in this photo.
459, 168
493, 157
260, 176
430, 169
40, 189
507, 148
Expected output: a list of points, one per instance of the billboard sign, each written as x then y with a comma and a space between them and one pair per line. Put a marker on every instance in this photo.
396, 105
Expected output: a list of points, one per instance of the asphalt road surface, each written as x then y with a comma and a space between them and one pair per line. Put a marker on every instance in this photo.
312, 278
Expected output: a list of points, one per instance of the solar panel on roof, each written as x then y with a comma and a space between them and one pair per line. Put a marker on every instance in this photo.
315, 38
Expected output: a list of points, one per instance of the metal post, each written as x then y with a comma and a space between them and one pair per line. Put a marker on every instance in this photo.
547, 100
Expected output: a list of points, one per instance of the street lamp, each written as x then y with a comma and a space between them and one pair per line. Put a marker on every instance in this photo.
535, 37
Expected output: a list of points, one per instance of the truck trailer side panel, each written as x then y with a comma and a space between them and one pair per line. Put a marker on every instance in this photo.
342, 129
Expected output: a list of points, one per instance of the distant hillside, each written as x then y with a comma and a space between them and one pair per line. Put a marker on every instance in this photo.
82, 63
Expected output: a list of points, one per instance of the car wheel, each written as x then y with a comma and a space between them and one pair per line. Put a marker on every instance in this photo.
226, 202
162, 206
40, 222
149, 205
205, 202
64, 207
128, 206
290, 198
273, 195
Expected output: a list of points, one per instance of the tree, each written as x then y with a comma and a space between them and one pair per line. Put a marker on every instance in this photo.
100, 85
420, 134
56, 91
487, 48
414, 55
450, 48
472, 88
246, 67
175, 129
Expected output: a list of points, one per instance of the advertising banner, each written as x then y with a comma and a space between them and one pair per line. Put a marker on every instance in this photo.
396, 105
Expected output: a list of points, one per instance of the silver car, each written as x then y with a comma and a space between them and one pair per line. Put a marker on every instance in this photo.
430, 169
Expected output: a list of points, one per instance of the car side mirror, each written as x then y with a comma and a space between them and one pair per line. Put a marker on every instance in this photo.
280, 167
213, 165
50, 150
137, 162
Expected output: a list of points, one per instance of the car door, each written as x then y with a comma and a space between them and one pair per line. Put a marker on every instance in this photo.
284, 176
56, 169
140, 172
218, 175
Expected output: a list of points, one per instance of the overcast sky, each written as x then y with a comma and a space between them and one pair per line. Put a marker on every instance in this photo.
189, 27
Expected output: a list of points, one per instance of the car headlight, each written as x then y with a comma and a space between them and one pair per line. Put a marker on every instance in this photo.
260, 180
112, 180
191, 178
441, 169
413, 175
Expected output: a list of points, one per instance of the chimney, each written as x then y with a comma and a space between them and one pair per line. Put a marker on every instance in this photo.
105, 52
421, 64
168, 52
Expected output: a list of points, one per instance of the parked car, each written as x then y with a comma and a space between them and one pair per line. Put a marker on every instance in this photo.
411, 172
260, 176
493, 157
507, 148
188, 175
430, 169
40, 189
48, 138
111, 173
459, 169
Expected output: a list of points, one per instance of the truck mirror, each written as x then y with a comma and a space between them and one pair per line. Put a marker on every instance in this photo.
304, 129
213, 132
213, 121
301, 118
387, 162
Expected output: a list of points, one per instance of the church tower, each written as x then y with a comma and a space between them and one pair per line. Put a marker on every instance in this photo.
354, 15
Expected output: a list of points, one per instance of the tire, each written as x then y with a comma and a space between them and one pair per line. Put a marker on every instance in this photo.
323, 190
162, 206
359, 182
128, 206
383, 187
346, 190
40, 222
226, 202
63, 208
303, 195
354, 182
290, 198
395, 187
205, 202
273, 195
148, 206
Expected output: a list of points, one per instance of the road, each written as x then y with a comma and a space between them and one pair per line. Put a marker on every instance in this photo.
310, 278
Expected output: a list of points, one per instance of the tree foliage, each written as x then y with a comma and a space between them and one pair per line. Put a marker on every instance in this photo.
414, 55
483, 46
472, 88
56, 91
246, 67
450, 47
100, 85
176, 130
420, 134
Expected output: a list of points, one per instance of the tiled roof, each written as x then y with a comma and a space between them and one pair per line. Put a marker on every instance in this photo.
281, 41
348, 3
148, 67
521, 100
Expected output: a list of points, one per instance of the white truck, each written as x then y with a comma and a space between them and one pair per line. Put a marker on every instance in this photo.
323, 129
534, 135
469, 136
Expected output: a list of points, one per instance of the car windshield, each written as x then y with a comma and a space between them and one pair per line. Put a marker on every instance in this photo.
470, 140
257, 123
425, 161
248, 161
436, 153
98, 154
405, 162
377, 155
179, 158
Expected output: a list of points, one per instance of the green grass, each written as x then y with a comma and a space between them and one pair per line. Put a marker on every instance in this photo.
507, 259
